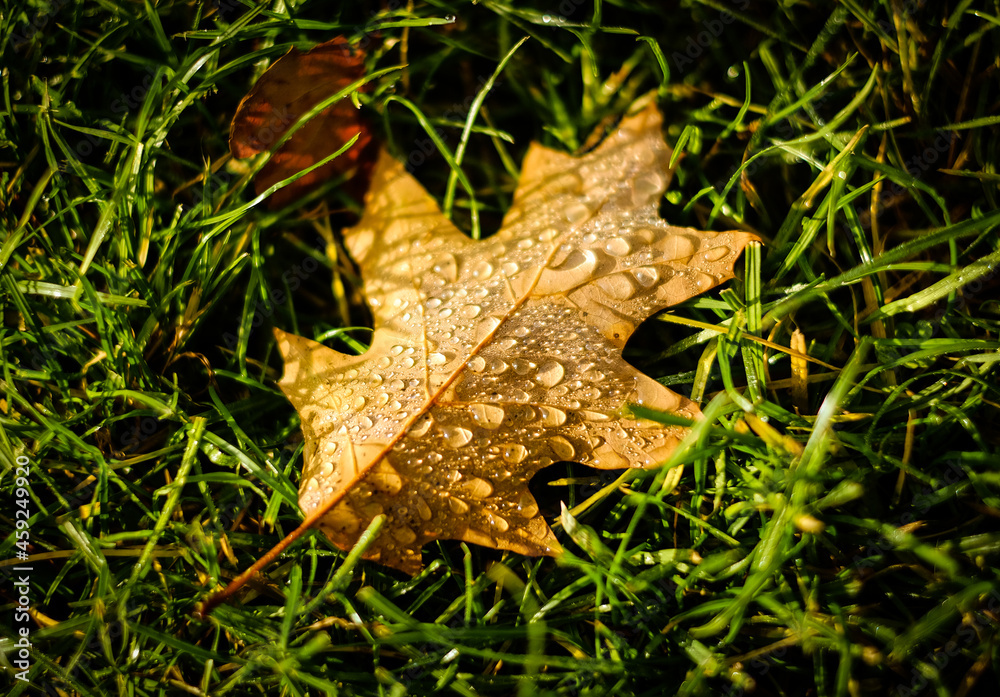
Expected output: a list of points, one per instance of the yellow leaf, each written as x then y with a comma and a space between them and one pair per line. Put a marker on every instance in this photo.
493, 359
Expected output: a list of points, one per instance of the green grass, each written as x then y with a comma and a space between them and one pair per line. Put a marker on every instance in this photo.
836, 529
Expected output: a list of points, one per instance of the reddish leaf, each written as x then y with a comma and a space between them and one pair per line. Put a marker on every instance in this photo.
293, 85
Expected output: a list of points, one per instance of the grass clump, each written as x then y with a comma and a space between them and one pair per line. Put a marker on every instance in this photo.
834, 531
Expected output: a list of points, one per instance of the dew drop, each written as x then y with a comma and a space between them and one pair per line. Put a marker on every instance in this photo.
423, 510
470, 311
456, 436
436, 358
477, 364
521, 332
562, 448
522, 366
396, 386
506, 344
702, 281
510, 268
407, 362
488, 415
551, 416
576, 212
619, 286
648, 185
498, 365
594, 416
494, 521
514, 453
550, 373
489, 324
372, 509
404, 535
421, 427
559, 391
458, 506
482, 270
385, 480
365, 422
396, 350
678, 247
527, 507
576, 268
476, 488
715, 253
646, 275
518, 395
617, 246
447, 266
384, 362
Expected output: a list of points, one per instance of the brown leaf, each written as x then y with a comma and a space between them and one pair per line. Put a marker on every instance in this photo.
293, 85
493, 359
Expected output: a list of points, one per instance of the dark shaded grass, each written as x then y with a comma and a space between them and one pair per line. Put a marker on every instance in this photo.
834, 531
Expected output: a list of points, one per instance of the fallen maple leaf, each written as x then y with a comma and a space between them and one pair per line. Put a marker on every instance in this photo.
493, 359
289, 88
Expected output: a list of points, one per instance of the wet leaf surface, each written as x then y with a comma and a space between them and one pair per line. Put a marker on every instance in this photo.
493, 359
